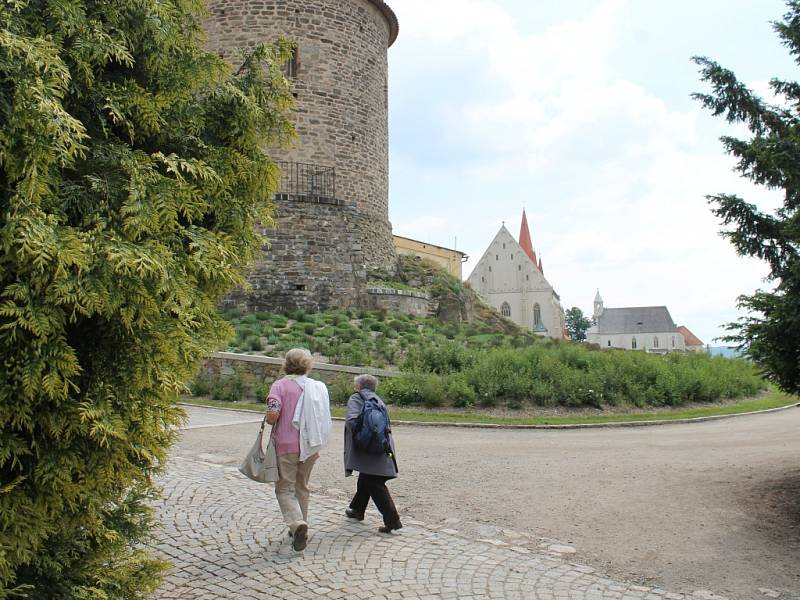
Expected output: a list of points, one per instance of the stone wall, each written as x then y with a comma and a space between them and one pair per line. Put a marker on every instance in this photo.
315, 260
341, 86
263, 369
399, 301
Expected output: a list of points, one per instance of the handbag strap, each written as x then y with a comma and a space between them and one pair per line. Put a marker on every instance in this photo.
271, 429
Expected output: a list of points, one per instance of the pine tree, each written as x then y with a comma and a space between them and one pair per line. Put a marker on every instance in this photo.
131, 177
770, 332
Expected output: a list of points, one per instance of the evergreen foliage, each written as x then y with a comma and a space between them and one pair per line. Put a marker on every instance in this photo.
576, 324
130, 181
770, 332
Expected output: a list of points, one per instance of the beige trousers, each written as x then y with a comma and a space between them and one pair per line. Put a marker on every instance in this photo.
291, 489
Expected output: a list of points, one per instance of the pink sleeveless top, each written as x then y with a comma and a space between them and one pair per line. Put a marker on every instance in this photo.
284, 395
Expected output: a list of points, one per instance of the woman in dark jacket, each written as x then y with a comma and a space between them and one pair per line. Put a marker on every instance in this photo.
374, 469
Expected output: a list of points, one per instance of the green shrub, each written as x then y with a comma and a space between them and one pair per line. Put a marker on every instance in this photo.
228, 389
458, 392
200, 385
447, 357
278, 321
340, 389
253, 343
260, 391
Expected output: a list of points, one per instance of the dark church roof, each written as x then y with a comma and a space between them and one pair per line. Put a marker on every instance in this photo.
637, 319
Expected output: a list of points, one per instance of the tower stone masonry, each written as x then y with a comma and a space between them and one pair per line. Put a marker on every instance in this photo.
332, 223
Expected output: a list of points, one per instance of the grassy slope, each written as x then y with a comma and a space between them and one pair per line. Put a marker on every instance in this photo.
374, 338
774, 399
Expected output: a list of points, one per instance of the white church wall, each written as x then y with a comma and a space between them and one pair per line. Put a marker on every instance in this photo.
505, 274
644, 341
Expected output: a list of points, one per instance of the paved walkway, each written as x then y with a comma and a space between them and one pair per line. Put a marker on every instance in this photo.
226, 539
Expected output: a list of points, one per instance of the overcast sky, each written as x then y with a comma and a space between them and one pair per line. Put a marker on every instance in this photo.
580, 112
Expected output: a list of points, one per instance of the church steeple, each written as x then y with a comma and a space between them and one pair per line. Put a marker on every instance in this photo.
598, 305
525, 239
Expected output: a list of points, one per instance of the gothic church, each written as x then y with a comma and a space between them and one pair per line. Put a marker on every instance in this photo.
510, 278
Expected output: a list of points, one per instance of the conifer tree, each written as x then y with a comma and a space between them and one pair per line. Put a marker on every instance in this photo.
131, 177
770, 332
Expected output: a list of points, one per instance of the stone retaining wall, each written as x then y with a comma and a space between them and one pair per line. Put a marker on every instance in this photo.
406, 302
254, 369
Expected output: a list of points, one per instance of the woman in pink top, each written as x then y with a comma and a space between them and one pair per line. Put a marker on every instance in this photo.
291, 489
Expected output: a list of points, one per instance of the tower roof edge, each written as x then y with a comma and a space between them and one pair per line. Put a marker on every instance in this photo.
391, 19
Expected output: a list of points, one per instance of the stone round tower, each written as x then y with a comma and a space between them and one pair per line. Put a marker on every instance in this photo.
332, 209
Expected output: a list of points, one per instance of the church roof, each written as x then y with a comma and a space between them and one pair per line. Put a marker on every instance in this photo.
525, 241
634, 320
690, 338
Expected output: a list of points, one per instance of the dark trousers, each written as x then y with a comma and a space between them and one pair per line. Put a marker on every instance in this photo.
374, 486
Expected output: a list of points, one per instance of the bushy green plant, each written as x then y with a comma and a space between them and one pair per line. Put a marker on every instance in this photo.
340, 389
459, 393
260, 391
200, 385
132, 177
447, 357
253, 343
228, 389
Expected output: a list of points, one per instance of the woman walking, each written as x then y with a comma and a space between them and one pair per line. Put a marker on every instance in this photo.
374, 459
298, 408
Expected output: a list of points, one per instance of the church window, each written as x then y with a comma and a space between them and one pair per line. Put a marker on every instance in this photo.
483, 279
673, 341
505, 309
519, 268
609, 343
497, 257
527, 277
504, 246
537, 315
512, 257
490, 269
633, 344
655, 341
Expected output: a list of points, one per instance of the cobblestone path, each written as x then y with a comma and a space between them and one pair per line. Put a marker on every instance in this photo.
226, 539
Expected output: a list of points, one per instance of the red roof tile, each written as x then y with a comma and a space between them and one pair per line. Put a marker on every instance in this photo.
691, 339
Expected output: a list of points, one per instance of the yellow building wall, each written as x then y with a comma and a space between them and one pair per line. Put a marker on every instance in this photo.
449, 260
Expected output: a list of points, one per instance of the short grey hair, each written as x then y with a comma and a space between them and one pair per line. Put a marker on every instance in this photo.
365, 381
298, 361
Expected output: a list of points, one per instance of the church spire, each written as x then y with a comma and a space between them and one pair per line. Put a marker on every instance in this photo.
525, 238
541, 269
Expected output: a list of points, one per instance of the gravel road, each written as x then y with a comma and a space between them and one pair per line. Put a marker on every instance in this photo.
704, 506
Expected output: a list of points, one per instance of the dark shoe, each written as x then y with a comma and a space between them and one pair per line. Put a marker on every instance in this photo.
351, 514
300, 538
389, 528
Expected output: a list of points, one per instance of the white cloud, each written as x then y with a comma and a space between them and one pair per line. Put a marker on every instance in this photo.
624, 175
